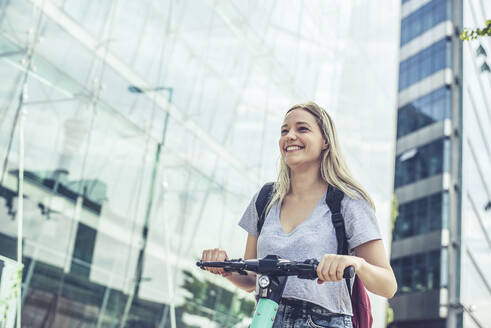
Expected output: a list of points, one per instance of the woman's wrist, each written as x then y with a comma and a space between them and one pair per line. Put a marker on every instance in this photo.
360, 267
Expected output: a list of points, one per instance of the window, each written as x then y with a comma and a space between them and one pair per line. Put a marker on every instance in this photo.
83, 250
424, 63
433, 272
421, 216
435, 211
427, 161
419, 278
418, 272
406, 274
403, 225
424, 19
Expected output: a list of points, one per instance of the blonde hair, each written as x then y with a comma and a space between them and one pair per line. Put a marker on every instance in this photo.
333, 168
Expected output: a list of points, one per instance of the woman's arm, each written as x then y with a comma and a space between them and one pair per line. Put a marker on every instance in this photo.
375, 271
370, 264
247, 283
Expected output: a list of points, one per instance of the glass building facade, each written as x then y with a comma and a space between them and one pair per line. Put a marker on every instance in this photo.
428, 15
423, 111
442, 152
144, 128
425, 63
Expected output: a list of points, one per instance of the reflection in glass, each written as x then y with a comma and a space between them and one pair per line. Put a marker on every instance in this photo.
96, 200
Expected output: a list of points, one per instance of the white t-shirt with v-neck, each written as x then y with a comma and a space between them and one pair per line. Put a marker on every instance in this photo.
312, 238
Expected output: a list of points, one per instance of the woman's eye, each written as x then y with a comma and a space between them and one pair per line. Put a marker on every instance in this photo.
302, 128
284, 131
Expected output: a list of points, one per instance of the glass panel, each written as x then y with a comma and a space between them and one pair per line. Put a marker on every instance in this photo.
419, 272
426, 110
422, 225
419, 269
435, 211
427, 161
83, 250
423, 19
420, 216
425, 63
433, 273
406, 275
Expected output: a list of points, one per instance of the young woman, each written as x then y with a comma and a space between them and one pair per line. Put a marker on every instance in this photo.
298, 226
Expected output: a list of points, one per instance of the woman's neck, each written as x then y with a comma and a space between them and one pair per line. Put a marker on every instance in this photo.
305, 183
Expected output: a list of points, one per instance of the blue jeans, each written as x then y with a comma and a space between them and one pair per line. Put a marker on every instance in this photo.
299, 314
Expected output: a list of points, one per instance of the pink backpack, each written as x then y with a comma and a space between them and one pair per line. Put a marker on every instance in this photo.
362, 314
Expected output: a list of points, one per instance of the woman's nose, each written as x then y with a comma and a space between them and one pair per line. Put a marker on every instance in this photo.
291, 134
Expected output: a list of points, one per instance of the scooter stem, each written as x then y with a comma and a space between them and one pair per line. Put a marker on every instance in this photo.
265, 313
270, 290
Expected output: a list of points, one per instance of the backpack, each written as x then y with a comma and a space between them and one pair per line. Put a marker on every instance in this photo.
360, 303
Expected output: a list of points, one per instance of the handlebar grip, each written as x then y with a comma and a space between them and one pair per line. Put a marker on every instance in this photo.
203, 264
349, 272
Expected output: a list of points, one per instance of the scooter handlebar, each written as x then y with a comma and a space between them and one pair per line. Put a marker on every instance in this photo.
273, 265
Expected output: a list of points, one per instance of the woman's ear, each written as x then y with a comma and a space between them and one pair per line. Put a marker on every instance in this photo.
325, 145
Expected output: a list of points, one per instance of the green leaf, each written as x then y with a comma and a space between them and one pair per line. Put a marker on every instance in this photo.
472, 34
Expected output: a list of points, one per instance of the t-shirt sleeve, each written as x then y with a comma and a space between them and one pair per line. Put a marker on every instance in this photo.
249, 219
360, 222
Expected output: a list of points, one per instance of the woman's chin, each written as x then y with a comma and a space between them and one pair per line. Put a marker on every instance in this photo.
292, 163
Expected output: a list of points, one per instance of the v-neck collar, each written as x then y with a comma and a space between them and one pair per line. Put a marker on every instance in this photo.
278, 213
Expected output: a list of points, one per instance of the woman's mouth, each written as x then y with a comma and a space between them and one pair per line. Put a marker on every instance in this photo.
292, 149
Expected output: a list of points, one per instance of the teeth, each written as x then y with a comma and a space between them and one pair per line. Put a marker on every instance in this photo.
290, 148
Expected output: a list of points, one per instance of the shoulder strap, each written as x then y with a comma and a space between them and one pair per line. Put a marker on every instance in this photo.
334, 197
261, 202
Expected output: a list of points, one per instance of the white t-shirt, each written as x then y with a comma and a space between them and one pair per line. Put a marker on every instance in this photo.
313, 238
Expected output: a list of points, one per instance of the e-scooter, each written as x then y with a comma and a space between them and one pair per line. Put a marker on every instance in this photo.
274, 273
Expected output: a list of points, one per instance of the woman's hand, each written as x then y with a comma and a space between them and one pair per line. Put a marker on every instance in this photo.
215, 255
331, 266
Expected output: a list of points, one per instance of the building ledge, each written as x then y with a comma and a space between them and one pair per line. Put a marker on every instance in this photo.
418, 243
425, 86
417, 306
423, 188
424, 135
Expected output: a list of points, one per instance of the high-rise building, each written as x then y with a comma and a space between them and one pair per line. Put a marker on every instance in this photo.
148, 127
441, 240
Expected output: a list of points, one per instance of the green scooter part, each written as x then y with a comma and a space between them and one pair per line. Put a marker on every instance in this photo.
265, 313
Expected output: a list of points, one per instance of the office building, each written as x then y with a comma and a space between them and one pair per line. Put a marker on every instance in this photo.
441, 240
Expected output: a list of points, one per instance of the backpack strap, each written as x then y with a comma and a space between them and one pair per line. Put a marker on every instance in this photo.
262, 201
334, 197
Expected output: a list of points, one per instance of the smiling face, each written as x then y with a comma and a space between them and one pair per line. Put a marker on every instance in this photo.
301, 140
